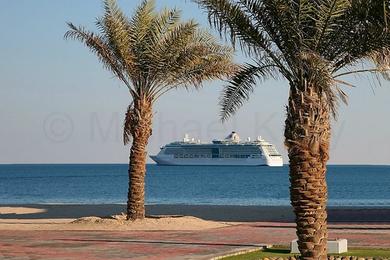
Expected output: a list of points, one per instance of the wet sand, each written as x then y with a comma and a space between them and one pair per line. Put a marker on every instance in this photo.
206, 212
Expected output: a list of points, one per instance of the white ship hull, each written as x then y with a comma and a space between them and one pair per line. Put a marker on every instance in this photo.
165, 160
228, 152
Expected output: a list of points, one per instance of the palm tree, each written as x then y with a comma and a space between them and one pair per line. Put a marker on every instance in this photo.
151, 53
311, 44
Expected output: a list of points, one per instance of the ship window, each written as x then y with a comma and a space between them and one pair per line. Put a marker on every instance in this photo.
186, 156
172, 151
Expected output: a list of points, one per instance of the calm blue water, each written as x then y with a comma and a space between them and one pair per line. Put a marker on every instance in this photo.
348, 185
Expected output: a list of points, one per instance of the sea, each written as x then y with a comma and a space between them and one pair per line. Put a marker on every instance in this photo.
348, 185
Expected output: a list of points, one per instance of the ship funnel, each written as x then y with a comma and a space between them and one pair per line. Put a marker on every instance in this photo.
234, 137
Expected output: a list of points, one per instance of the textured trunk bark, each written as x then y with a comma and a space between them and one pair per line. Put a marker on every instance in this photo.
307, 136
141, 130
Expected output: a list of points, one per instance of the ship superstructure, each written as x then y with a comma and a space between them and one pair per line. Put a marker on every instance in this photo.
229, 151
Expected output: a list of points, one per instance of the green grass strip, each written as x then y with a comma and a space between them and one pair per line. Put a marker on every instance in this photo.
283, 252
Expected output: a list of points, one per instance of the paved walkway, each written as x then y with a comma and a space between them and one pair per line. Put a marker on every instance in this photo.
97, 245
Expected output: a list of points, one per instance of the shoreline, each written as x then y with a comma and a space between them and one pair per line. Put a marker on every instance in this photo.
228, 213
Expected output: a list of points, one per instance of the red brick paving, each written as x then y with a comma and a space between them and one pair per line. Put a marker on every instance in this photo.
98, 245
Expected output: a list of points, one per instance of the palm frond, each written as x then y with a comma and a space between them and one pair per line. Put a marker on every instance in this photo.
362, 31
277, 19
150, 62
196, 58
100, 48
171, 43
382, 61
116, 29
202, 59
342, 95
154, 52
140, 25
127, 124
230, 18
329, 17
162, 23
303, 10
141, 21
241, 86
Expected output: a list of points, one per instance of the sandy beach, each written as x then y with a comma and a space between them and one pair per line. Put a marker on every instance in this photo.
94, 217
164, 217
115, 223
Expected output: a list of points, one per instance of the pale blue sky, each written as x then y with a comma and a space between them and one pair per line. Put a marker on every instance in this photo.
58, 105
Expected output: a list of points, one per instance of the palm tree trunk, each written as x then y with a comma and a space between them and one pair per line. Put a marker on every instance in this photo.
307, 136
141, 130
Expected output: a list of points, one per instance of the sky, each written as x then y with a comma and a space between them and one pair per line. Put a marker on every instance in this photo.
58, 105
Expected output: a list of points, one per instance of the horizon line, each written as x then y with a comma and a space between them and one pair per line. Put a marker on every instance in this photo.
112, 163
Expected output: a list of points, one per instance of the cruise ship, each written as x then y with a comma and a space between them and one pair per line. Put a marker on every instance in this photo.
229, 151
